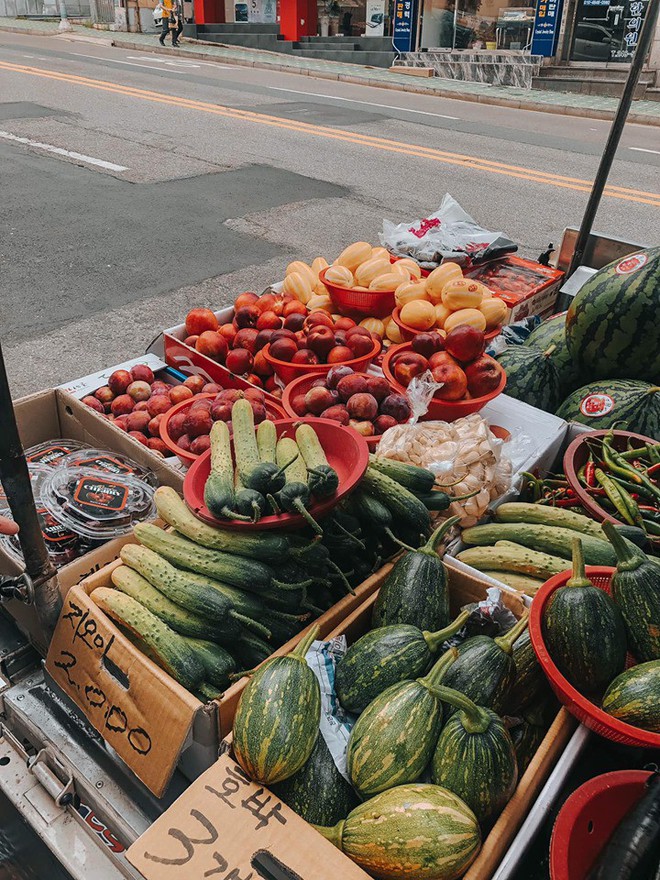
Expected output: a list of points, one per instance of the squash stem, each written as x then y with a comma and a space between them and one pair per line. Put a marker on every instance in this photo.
336, 524
340, 575
435, 639
305, 643
579, 578
430, 546
334, 835
275, 507
474, 718
506, 641
252, 625
284, 585
629, 556
390, 534
227, 513
438, 670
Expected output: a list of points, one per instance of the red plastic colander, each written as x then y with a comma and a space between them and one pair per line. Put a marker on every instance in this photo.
591, 715
366, 303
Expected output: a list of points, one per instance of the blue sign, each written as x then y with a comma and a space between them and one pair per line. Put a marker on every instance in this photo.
546, 27
404, 25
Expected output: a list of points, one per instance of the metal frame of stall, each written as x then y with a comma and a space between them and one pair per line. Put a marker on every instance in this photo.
66, 783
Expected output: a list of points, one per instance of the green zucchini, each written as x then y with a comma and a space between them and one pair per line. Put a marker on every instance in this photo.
411, 832
246, 451
385, 656
277, 718
190, 592
485, 670
584, 631
547, 539
266, 441
295, 496
322, 479
406, 508
634, 696
475, 757
263, 547
415, 591
177, 618
636, 590
218, 664
520, 582
250, 650
371, 511
416, 479
219, 496
153, 637
247, 574
513, 558
545, 515
318, 792
393, 739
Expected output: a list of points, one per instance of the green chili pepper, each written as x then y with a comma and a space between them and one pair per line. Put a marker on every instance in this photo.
619, 465
624, 504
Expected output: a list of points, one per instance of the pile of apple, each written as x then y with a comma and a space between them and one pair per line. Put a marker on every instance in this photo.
365, 403
135, 401
190, 428
457, 361
283, 322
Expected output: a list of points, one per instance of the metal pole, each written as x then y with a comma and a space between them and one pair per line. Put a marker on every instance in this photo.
643, 45
65, 24
453, 41
15, 479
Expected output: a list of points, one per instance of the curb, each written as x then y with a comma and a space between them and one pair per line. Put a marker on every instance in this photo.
356, 79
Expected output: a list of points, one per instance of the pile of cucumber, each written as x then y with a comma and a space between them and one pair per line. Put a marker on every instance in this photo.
527, 543
425, 710
270, 476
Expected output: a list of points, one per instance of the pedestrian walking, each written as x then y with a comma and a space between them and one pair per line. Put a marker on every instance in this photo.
169, 22
178, 13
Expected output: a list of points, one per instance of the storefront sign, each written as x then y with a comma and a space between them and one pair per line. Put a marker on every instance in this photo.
546, 27
375, 18
404, 25
633, 16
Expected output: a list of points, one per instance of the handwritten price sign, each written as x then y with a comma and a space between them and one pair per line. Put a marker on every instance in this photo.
136, 707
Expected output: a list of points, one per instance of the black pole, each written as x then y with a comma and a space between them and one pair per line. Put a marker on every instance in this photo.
15, 479
641, 52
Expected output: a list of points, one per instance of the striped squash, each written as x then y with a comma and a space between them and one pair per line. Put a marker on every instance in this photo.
393, 739
627, 403
277, 718
411, 832
612, 326
475, 757
385, 656
634, 696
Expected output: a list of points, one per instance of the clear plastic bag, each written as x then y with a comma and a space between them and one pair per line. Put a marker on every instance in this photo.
448, 234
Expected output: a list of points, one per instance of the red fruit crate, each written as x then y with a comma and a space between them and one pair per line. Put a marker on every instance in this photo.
527, 287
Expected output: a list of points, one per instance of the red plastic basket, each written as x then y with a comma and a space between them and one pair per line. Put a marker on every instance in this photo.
408, 333
591, 715
288, 372
587, 819
441, 410
577, 455
345, 450
366, 303
187, 458
425, 272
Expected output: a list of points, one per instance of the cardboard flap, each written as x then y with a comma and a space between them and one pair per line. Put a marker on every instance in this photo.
226, 826
135, 706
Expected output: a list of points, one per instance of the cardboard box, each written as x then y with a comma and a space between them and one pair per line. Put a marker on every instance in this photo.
527, 287
101, 671
241, 817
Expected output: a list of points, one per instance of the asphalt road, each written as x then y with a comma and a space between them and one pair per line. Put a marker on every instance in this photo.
181, 183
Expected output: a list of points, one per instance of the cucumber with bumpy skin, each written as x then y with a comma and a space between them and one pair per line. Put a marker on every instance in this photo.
507, 556
246, 451
295, 496
322, 479
218, 664
219, 494
416, 479
406, 508
548, 539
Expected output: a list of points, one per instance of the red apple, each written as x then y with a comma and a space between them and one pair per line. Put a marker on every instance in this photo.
211, 388
158, 404
175, 426
283, 349
294, 306
483, 376
195, 383
343, 323
338, 413
396, 406
268, 321
265, 303
298, 405
141, 406
229, 395
239, 361
294, 322
122, 405
221, 411
154, 425
184, 442
363, 407
441, 358
427, 343
261, 366
191, 340
318, 318
247, 339
339, 355
378, 387
258, 411
364, 428
335, 374
201, 403
384, 423
198, 422
354, 383
200, 444
160, 388
359, 344
245, 299
142, 373
284, 334
263, 338
139, 436
228, 331
93, 403
358, 330
318, 399
454, 382
121, 422
304, 356
177, 393
156, 445
213, 345
409, 365
465, 343
139, 390
119, 381
199, 320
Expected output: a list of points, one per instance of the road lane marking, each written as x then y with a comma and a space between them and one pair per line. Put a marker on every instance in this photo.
130, 63
642, 150
367, 103
473, 163
183, 61
60, 151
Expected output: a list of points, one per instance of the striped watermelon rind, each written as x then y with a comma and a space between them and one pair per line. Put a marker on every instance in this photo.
612, 327
553, 332
531, 376
633, 405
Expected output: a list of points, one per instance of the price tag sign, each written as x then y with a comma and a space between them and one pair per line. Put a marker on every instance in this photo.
226, 827
135, 706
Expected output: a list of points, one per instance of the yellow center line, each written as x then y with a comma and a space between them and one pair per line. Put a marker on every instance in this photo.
457, 159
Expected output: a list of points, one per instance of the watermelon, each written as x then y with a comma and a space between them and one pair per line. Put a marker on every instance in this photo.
612, 327
531, 376
553, 332
634, 405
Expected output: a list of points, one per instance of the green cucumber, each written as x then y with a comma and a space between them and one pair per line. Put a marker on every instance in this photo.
513, 558
520, 582
415, 591
266, 441
246, 451
250, 650
153, 637
475, 757
485, 670
321, 478
418, 480
219, 494
277, 718
406, 508
385, 656
584, 631
218, 664
545, 515
393, 739
634, 696
295, 496
548, 539
177, 618
371, 511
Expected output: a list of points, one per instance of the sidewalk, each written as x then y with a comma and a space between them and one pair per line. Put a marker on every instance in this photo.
569, 104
